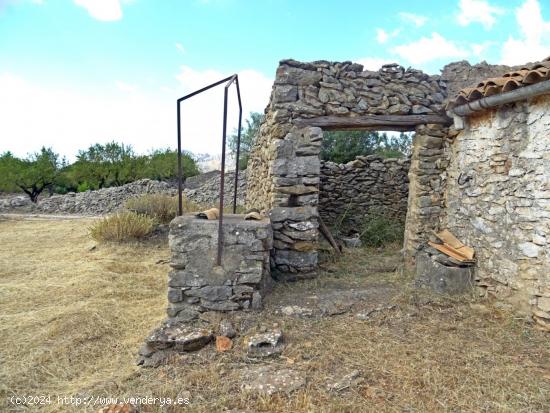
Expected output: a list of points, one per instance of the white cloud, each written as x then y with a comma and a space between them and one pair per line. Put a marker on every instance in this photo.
373, 63
479, 49
126, 87
478, 11
104, 10
430, 48
534, 41
180, 47
415, 19
382, 36
68, 118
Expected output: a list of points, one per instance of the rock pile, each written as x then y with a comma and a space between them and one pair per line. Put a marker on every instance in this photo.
203, 190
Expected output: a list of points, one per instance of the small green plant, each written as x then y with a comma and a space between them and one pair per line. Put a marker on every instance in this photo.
379, 229
122, 226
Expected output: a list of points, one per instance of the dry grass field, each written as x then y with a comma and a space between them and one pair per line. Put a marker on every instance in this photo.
73, 315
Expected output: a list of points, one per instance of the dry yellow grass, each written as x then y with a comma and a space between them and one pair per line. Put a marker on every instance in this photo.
72, 320
122, 226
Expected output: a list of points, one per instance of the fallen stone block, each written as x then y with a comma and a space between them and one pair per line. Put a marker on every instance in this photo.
443, 279
265, 344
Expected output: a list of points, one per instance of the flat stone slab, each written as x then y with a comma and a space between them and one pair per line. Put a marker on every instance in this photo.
336, 302
265, 344
268, 380
179, 337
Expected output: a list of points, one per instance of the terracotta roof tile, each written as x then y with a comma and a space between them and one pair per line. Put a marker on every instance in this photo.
535, 73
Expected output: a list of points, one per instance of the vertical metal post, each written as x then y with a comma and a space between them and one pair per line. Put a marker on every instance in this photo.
180, 174
238, 148
222, 179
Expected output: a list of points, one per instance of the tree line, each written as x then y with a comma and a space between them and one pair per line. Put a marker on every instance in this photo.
114, 164
99, 166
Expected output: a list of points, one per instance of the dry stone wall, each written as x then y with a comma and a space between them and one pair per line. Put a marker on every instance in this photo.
498, 201
202, 190
368, 184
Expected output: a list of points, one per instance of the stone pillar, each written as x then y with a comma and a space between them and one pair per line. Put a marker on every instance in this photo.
296, 173
196, 284
426, 186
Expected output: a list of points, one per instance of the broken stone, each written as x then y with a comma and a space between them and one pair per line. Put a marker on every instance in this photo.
265, 344
268, 380
352, 242
223, 344
179, 336
219, 305
296, 311
256, 301
226, 329
349, 380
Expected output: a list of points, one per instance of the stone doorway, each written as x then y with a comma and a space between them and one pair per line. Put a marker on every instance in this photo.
285, 168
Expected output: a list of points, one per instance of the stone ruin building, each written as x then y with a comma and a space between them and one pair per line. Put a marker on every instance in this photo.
484, 174
479, 167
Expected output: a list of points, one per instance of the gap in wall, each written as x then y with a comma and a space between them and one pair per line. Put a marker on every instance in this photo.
364, 184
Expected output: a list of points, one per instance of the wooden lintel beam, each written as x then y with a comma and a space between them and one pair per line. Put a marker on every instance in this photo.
374, 122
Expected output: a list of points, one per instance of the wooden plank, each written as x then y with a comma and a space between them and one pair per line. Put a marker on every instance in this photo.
374, 122
449, 251
327, 234
450, 240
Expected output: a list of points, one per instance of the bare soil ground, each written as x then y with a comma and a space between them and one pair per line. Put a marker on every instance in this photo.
73, 315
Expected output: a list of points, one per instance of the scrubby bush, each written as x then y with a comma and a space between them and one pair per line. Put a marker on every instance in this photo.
162, 208
122, 226
379, 229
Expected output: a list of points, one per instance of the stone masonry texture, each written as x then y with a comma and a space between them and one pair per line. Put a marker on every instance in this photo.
197, 284
498, 201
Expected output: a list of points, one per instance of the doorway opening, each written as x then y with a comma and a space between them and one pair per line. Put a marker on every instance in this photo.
364, 186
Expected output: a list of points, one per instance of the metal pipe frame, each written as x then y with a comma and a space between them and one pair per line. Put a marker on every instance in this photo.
229, 80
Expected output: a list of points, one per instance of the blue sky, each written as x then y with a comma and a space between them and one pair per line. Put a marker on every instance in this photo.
75, 72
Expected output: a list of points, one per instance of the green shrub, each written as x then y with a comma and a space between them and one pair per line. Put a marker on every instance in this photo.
122, 226
379, 229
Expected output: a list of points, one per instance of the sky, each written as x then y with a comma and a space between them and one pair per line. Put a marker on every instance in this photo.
77, 72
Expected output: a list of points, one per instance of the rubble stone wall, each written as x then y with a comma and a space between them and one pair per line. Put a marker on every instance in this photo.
367, 184
498, 201
427, 185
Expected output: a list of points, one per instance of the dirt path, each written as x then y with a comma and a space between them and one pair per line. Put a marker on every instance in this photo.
30, 216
